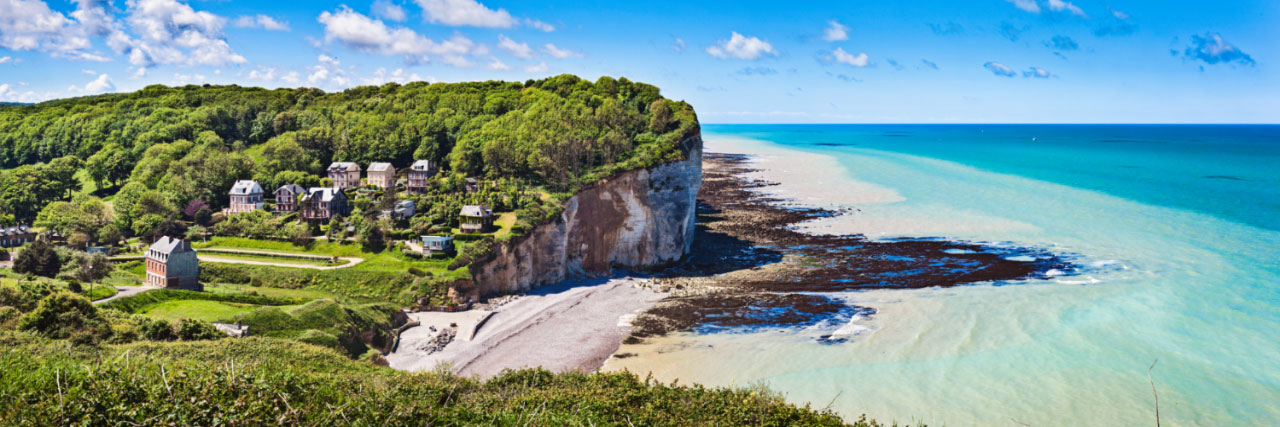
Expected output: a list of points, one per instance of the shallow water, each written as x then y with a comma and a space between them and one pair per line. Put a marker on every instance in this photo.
1182, 267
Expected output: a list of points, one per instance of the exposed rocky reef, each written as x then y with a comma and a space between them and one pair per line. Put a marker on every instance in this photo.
749, 267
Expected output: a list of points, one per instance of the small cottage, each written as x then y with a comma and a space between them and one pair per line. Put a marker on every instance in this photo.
15, 236
432, 245
246, 196
381, 175
321, 203
475, 219
471, 185
287, 197
403, 209
344, 175
172, 263
419, 175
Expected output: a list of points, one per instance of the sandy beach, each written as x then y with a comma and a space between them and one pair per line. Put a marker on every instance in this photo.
570, 326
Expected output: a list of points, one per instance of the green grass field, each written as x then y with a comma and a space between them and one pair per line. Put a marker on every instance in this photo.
268, 258
209, 311
233, 289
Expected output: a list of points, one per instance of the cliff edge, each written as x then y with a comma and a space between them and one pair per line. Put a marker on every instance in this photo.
637, 220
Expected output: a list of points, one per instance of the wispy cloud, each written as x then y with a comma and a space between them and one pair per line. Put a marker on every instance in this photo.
741, 47
929, 63
366, 34
466, 13
947, 29
261, 21
387, 10
559, 53
1012, 32
537, 68
999, 69
840, 56
1211, 48
517, 49
1061, 42
1026, 5
1036, 72
757, 71
835, 32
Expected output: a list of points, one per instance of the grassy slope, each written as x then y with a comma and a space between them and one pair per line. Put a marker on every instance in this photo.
270, 381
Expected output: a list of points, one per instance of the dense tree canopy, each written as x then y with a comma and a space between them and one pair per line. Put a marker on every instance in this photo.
191, 143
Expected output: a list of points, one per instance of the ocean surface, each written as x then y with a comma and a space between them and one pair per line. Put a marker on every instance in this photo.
1177, 229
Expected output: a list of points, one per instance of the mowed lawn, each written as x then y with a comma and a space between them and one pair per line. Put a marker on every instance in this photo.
267, 258
209, 311
227, 288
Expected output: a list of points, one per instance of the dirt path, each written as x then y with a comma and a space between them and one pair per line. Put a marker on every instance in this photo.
572, 326
125, 291
351, 261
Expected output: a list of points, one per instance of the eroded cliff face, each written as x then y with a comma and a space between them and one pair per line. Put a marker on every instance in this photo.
637, 220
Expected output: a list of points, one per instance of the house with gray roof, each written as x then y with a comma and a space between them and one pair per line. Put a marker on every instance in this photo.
172, 263
475, 219
344, 175
246, 196
15, 236
420, 175
287, 197
322, 203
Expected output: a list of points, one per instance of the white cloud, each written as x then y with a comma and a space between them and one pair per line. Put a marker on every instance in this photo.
292, 78
537, 68
519, 50
370, 35
859, 60
31, 25
1060, 5
678, 45
5, 59
741, 47
497, 64
539, 25
262, 73
835, 31
999, 69
261, 21
559, 53
381, 77
465, 13
1036, 72
180, 79
387, 10
1027, 5
85, 71
101, 84
1119, 15
9, 94
171, 32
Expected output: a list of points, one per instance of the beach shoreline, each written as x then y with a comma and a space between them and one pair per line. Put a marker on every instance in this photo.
571, 326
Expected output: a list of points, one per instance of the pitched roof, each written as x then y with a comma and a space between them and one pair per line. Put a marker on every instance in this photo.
167, 245
246, 187
421, 166
293, 188
345, 166
14, 230
326, 194
380, 167
476, 210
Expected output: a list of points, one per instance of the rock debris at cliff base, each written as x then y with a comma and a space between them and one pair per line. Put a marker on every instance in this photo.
749, 268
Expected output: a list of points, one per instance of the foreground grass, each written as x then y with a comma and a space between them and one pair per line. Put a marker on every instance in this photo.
270, 381
209, 311
264, 258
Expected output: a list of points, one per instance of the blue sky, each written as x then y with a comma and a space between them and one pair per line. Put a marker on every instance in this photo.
1016, 61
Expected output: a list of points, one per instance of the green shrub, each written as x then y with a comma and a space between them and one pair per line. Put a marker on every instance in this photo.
66, 315
193, 330
317, 337
74, 286
156, 329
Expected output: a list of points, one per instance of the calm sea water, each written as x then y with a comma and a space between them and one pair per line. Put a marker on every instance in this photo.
1179, 230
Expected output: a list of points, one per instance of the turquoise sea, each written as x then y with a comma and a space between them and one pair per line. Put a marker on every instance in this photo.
1177, 228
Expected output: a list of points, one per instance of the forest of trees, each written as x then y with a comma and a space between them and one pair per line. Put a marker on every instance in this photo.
154, 151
